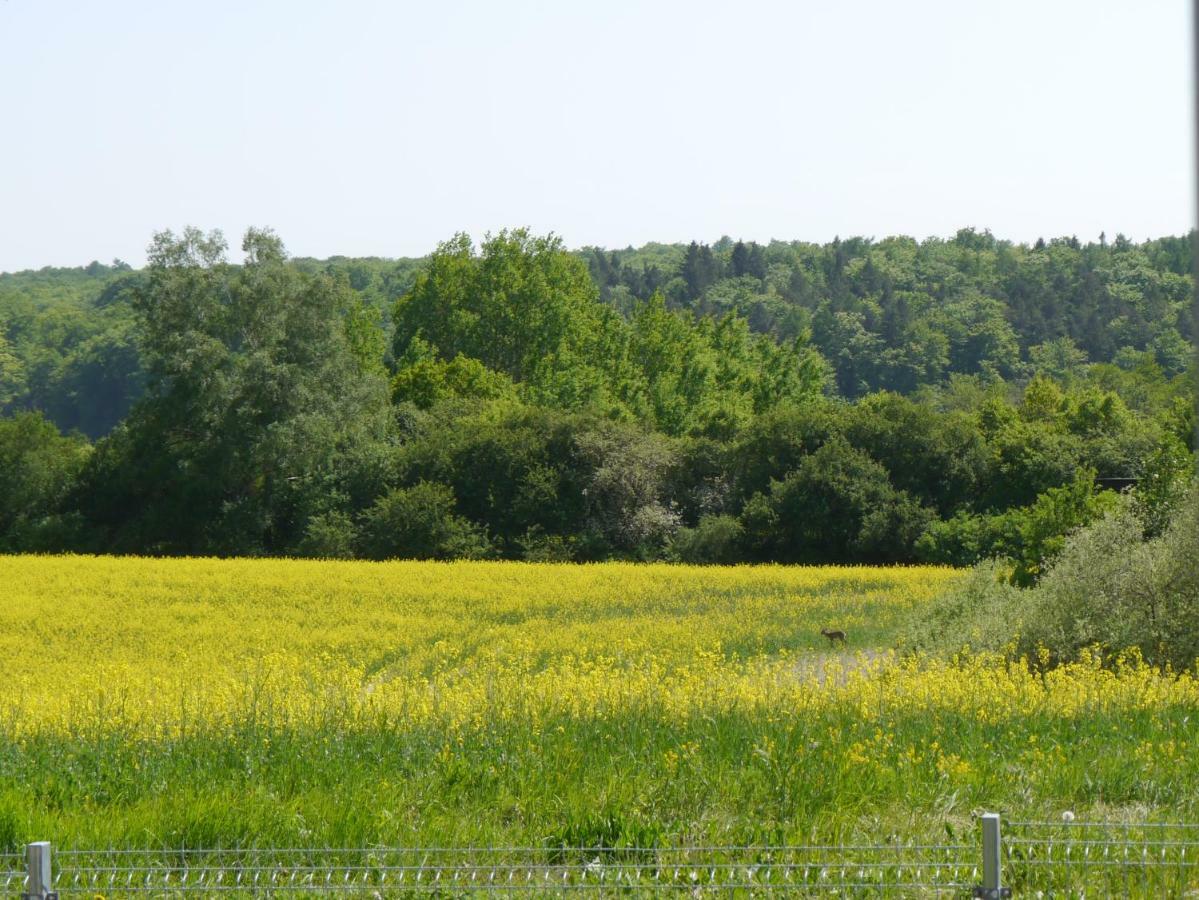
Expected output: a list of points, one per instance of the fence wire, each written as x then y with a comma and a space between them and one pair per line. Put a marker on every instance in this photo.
1050, 859
1104, 859
12, 873
896, 870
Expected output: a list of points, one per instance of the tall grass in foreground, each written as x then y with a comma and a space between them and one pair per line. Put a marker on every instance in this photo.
202, 703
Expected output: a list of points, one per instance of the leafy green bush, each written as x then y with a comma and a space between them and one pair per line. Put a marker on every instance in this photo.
1113, 589
1162, 488
420, 523
982, 612
37, 469
1109, 588
624, 470
838, 505
1030, 536
328, 535
430, 381
715, 540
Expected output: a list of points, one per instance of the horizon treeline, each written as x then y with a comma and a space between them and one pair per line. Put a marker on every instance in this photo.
858, 401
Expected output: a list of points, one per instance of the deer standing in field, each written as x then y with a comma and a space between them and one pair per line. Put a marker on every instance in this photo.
833, 636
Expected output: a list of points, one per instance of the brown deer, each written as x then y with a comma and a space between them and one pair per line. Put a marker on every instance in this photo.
833, 636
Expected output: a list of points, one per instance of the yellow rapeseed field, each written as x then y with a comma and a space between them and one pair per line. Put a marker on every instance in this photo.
152, 643
199, 700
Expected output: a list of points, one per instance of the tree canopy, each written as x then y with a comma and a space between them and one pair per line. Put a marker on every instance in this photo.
861, 400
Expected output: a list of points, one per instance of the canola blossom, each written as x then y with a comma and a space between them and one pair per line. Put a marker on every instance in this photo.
203, 702
157, 644
283, 690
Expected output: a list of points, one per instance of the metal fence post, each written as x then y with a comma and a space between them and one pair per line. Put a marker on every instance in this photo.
39, 879
992, 887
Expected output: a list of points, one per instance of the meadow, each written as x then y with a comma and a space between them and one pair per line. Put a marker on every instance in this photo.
199, 702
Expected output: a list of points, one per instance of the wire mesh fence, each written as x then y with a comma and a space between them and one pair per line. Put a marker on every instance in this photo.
12, 873
1030, 858
898, 870
1102, 859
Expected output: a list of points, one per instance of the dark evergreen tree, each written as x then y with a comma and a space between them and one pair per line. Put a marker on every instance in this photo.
740, 260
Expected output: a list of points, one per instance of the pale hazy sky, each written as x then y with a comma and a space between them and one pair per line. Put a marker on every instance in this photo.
381, 128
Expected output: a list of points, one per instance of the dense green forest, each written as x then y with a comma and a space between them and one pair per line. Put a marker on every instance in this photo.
858, 401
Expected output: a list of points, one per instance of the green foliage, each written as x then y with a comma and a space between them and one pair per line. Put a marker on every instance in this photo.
626, 510
894, 314
776, 442
1111, 588
1060, 359
940, 459
611, 835
837, 505
713, 376
628, 403
365, 337
1182, 421
14, 819
1029, 458
329, 535
255, 395
525, 310
1040, 531
419, 523
519, 301
1108, 589
77, 363
983, 612
1029, 537
38, 467
428, 382
12, 373
716, 540
1165, 478
514, 467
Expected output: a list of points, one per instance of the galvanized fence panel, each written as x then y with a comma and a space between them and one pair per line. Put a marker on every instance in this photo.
1021, 858
898, 870
12, 873
1105, 859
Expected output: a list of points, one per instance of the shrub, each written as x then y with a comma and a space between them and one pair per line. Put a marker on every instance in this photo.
838, 505
537, 546
38, 467
1030, 536
420, 523
1164, 480
982, 612
624, 469
715, 540
966, 539
1114, 590
1109, 588
428, 382
328, 535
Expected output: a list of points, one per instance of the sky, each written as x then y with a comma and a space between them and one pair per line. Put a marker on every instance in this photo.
381, 128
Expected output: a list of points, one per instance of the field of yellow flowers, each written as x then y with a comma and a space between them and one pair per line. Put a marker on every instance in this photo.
292, 703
